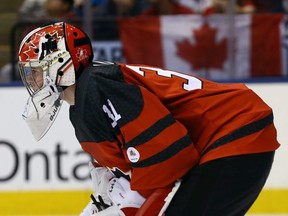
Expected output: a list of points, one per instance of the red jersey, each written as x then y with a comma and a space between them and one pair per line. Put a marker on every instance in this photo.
157, 124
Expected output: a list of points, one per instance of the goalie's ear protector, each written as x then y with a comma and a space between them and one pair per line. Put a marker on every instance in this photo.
79, 46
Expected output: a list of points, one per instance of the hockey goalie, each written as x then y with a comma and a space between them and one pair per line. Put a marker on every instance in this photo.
150, 128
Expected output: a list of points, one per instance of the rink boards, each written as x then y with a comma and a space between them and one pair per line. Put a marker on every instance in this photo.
52, 178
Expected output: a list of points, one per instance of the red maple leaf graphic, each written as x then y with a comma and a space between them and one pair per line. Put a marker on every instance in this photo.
32, 45
35, 39
206, 52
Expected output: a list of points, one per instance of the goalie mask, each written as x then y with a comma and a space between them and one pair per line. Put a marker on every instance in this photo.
51, 58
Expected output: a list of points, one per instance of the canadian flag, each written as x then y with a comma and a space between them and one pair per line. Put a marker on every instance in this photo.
201, 45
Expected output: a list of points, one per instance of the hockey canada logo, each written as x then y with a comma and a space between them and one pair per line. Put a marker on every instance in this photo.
81, 54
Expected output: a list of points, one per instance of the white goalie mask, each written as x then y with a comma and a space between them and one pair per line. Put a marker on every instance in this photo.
50, 59
42, 108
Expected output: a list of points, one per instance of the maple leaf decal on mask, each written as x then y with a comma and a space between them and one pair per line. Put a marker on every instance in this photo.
206, 52
32, 45
42, 43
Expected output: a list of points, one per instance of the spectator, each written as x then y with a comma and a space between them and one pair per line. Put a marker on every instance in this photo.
116, 8
261, 6
166, 7
222, 6
285, 6
105, 23
246, 6
60, 9
32, 9
41, 10
79, 5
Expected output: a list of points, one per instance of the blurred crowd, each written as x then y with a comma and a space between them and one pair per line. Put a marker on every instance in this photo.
43, 9
53, 10
103, 12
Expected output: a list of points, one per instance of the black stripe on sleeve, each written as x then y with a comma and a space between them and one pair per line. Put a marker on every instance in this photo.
151, 132
169, 152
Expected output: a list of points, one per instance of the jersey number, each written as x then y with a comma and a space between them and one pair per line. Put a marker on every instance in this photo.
114, 116
191, 82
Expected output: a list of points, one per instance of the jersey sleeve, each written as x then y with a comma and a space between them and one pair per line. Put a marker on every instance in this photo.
158, 147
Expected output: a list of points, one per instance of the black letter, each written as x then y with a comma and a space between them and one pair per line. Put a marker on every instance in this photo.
29, 157
85, 165
14, 170
58, 154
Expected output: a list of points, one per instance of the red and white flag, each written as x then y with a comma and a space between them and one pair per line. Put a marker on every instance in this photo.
202, 46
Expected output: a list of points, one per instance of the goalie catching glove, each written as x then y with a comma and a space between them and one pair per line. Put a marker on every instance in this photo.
112, 196
100, 177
